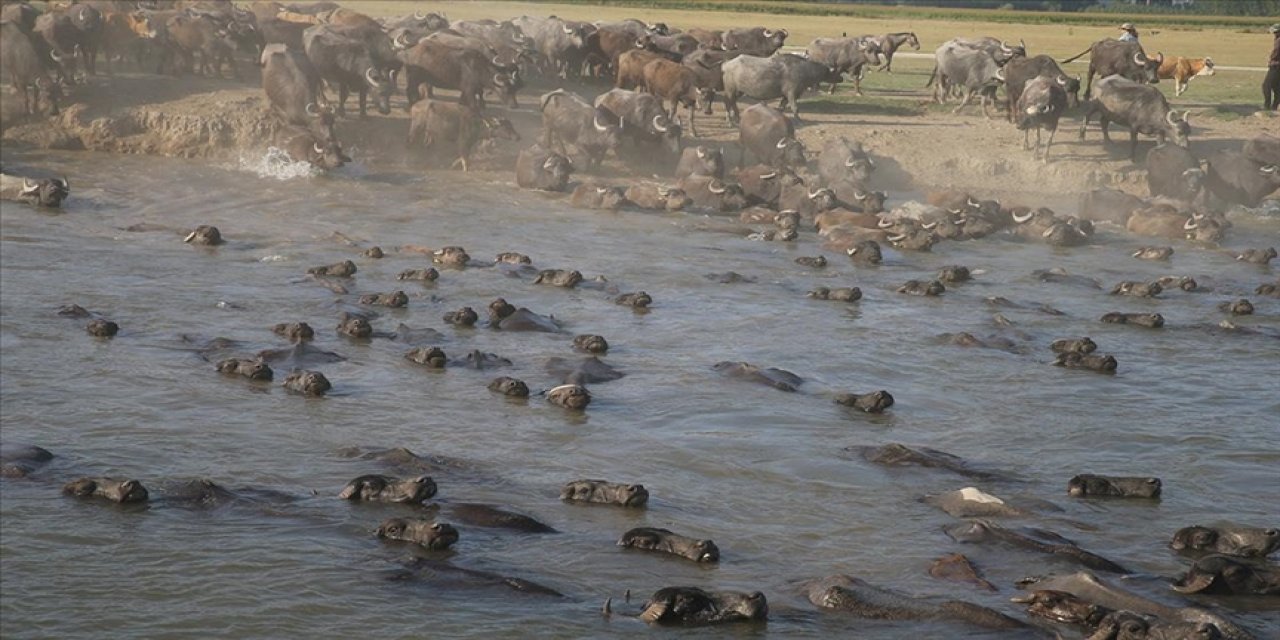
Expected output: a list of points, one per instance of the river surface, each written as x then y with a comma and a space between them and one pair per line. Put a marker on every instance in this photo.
762, 472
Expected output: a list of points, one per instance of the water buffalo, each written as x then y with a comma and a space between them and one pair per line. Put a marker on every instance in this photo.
1140, 107
763, 185
1088, 485
679, 86
713, 194
377, 488
657, 197
292, 86
692, 606
1019, 71
664, 541
1113, 57
1230, 576
434, 122
1237, 179
785, 76
629, 72
1246, 542
1041, 104
770, 137
470, 72
976, 71
561, 43
1173, 172
568, 118
190, 36
846, 56
756, 41
843, 160
303, 145
602, 492
44, 192
348, 63
538, 168
113, 490
28, 72
642, 116
594, 196
427, 533
861, 599
701, 161
1167, 222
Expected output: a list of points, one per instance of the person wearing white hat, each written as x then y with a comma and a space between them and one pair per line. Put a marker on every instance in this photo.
1129, 33
1271, 85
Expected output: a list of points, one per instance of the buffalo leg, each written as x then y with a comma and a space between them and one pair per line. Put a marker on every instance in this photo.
967, 97
1084, 122
1133, 144
364, 99
1026, 139
693, 128
342, 99
1052, 132
1105, 125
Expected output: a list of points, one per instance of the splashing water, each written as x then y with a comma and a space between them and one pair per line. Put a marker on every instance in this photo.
276, 163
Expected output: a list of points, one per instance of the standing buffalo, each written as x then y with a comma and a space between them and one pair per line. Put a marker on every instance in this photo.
678, 85
1140, 107
88, 21
348, 63
975, 70
568, 118
470, 72
292, 86
433, 122
1021, 70
1113, 57
1041, 104
21, 61
770, 137
199, 35
785, 76
756, 41
846, 56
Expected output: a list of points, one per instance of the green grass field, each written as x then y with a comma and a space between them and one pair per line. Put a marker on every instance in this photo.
1229, 41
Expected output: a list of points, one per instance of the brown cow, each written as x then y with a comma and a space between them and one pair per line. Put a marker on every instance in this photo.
1181, 70
630, 68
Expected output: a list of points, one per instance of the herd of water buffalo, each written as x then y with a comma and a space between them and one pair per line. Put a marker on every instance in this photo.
656, 72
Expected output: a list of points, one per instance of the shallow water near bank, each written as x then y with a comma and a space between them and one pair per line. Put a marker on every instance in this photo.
759, 471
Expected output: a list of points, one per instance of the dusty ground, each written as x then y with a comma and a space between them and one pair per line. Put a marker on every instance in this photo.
203, 117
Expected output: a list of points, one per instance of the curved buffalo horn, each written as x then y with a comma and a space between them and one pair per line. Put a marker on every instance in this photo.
1021, 219
402, 41
497, 80
64, 183
1000, 74
1197, 216
767, 33
664, 191
716, 187
815, 194
369, 75
1160, 57
784, 32
602, 190
599, 127
496, 62
871, 163
1062, 81
661, 128
1138, 58
1048, 232
769, 176
29, 187
1190, 224
973, 203
858, 195
1186, 114
1271, 168
883, 222
1170, 117
419, 16
928, 226
955, 212
312, 110
1022, 43
1005, 47
897, 237
1046, 108
568, 30
549, 163
317, 148
850, 162
782, 144
961, 221
53, 53
701, 151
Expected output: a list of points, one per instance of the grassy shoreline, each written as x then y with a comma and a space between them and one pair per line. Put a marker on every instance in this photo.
1183, 21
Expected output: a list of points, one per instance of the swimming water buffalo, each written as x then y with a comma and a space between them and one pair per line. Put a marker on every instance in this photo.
856, 597
691, 606
1033, 540
1168, 222
1041, 104
111, 489
843, 160
1140, 107
602, 492
346, 61
846, 56
1247, 542
538, 168
763, 185
292, 87
20, 59
1172, 171
1113, 57
643, 118
664, 541
378, 488
784, 76
594, 196
1088, 485
770, 137
304, 145
1228, 575
657, 197
1238, 179
427, 533
44, 192
568, 118
1123, 625
975, 71
438, 123
756, 41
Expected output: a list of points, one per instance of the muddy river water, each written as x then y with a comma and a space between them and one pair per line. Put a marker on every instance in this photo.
762, 472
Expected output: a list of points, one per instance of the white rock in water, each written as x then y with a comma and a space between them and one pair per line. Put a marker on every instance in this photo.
974, 494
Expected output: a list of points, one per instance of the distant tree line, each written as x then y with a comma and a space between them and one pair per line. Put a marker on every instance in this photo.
1261, 8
